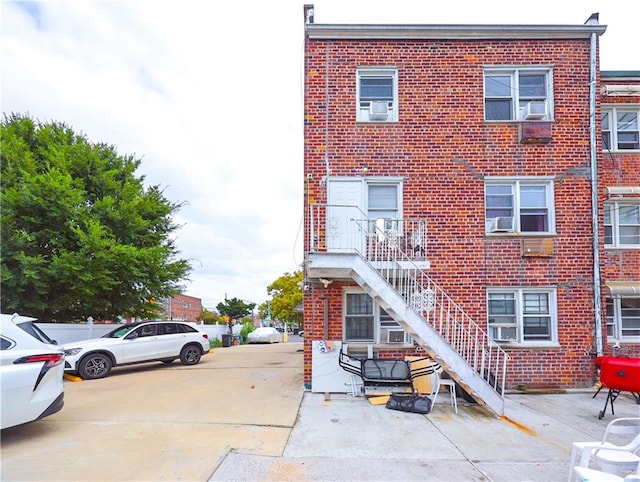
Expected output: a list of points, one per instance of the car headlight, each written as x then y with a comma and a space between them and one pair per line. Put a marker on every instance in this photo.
72, 351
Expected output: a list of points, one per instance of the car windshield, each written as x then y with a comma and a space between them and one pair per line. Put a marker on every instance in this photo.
119, 332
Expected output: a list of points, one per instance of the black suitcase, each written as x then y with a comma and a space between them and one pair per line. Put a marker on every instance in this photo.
409, 402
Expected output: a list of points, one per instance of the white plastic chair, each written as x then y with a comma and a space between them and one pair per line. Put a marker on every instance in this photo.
450, 383
585, 474
615, 460
451, 386
612, 458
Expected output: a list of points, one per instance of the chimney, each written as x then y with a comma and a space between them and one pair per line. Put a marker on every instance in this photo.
593, 19
308, 13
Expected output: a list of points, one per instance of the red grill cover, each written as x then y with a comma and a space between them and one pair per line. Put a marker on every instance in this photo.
619, 373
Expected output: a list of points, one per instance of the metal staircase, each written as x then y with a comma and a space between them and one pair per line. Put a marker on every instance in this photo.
380, 262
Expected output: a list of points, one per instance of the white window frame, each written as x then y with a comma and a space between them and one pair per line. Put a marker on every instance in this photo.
516, 98
613, 224
363, 106
393, 222
611, 128
615, 317
382, 322
519, 316
517, 209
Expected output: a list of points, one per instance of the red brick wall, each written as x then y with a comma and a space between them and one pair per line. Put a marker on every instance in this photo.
184, 307
444, 148
618, 169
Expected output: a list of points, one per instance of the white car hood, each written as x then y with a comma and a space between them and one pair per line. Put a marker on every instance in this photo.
93, 343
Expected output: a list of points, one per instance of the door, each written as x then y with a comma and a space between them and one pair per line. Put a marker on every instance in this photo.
140, 345
170, 340
346, 225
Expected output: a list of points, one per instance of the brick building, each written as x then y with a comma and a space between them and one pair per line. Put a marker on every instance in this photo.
619, 204
182, 307
448, 201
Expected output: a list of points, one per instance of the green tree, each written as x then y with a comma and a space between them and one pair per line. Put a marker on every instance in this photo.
81, 235
234, 309
287, 294
210, 317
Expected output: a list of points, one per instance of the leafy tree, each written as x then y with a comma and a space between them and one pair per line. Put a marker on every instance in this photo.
287, 294
210, 317
81, 236
234, 309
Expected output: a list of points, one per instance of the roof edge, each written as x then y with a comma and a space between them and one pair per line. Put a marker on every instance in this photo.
450, 32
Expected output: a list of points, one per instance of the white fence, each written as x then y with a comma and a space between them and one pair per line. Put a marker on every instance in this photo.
66, 332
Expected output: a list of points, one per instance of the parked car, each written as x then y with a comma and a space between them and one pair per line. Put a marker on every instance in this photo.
301, 333
31, 372
264, 334
136, 343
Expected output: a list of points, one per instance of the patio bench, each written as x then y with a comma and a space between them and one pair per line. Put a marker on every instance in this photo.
386, 374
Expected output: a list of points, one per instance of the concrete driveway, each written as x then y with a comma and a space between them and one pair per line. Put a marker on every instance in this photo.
155, 422
242, 414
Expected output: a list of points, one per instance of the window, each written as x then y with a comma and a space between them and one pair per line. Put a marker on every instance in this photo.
620, 129
523, 315
182, 328
147, 330
167, 329
390, 329
6, 344
622, 224
358, 322
623, 318
366, 321
518, 94
383, 202
377, 95
524, 205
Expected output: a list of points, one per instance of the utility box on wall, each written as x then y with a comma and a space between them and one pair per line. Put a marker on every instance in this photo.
537, 247
535, 132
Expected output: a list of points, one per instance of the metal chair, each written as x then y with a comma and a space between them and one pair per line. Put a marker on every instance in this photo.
425, 374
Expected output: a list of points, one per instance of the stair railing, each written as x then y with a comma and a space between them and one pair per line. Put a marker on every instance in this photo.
394, 248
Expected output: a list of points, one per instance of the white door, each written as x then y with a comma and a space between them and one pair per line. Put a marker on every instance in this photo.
142, 347
345, 216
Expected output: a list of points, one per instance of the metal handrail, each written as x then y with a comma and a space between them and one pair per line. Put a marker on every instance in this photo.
394, 250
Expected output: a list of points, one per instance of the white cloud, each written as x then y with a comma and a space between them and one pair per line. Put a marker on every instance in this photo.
209, 95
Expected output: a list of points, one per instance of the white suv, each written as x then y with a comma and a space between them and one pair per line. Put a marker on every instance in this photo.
136, 343
31, 372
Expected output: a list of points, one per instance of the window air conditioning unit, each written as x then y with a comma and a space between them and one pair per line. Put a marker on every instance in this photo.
499, 335
395, 336
378, 109
535, 110
501, 225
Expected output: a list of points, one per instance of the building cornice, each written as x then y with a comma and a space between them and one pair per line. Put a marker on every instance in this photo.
451, 32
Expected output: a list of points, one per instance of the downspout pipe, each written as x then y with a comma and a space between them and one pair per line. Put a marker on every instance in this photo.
597, 290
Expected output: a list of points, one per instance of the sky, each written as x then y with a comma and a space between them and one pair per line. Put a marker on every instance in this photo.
209, 96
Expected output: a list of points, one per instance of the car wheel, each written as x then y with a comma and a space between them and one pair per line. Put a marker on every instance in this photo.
190, 355
95, 366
